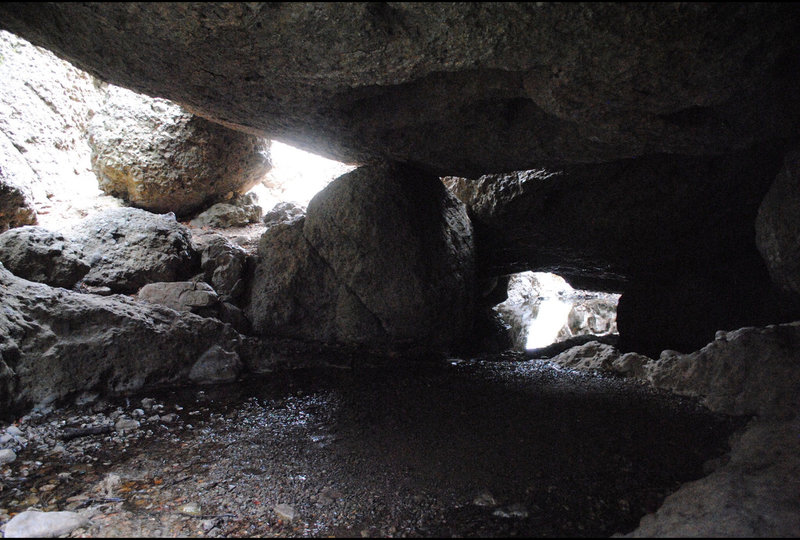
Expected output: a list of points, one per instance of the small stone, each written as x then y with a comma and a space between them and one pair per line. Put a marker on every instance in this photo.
190, 509
5, 439
126, 424
7, 456
14, 431
285, 512
168, 418
47, 487
32, 524
137, 412
485, 499
148, 403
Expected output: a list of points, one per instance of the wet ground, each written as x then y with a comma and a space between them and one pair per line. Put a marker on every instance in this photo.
478, 448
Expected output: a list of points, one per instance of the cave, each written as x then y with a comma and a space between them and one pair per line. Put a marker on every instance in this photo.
191, 346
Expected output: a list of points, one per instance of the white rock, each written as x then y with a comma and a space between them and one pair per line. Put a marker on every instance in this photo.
32, 524
7, 456
126, 424
285, 512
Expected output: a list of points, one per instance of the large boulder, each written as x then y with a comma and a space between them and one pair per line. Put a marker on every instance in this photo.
55, 343
16, 198
38, 254
128, 248
157, 156
778, 227
383, 256
464, 89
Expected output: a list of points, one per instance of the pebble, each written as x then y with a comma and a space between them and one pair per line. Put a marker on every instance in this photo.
148, 403
485, 499
513, 511
285, 512
190, 509
126, 424
14, 431
32, 524
7, 456
6, 438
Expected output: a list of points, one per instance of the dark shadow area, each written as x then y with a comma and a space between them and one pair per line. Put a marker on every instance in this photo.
391, 451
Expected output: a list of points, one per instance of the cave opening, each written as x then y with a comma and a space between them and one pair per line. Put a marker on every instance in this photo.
543, 309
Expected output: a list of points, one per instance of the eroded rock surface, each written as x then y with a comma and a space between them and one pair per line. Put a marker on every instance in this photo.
462, 89
128, 248
55, 342
238, 212
16, 178
370, 263
159, 157
38, 254
778, 227
192, 296
223, 263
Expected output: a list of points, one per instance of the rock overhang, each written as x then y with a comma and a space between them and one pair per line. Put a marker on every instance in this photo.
462, 89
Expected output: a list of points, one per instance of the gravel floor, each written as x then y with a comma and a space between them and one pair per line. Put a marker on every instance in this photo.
488, 447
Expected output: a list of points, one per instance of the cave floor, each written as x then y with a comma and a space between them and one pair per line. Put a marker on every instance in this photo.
487, 447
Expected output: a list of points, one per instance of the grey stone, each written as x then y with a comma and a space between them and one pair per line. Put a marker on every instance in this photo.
282, 212
65, 342
37, 254
778, 226
223, 263
126, 424
374, 267
14, 431
193, 296
754, 495
7, 456
285, 512
128, 248
239, 212
159, 157
35, 524
216, 366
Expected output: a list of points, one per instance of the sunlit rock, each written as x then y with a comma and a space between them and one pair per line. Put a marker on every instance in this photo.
159, 157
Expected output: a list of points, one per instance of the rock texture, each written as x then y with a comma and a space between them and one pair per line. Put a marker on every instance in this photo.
223, 264
37, 254
45, 106
16, 178
754, 495
36, 524
192, 296
54, 343
239, 212
778, 227
384, 255
284, 211
159, 157
464, 89
128, 248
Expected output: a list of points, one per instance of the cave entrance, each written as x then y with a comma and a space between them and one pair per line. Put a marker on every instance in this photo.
543, 309
296, 176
